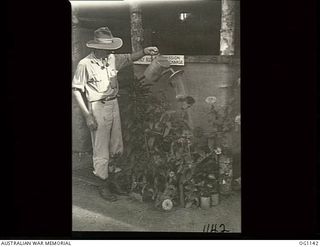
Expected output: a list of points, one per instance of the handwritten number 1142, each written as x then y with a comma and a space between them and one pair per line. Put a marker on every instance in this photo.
215, 228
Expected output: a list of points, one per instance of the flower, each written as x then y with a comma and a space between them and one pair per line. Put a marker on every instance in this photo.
167, 204
180, 140
217, 151
237, 119
171, 174
211, 100
147, 130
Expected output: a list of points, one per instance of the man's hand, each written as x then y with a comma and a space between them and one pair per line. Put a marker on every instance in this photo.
151, 50
91, 122
146, 51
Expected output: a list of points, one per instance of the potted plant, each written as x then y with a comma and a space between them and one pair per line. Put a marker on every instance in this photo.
205, 199
213, 186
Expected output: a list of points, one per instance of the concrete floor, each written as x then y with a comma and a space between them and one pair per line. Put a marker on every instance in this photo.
92, 213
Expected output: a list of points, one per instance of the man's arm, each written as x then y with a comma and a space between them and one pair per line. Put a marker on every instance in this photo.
78, 85
78, 97
146, 51
91, 122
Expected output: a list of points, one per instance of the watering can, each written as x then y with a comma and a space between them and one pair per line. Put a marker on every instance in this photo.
160, 66
177, 83
156, 68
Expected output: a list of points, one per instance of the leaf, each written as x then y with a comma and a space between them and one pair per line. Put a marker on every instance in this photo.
180, 169
149, 109
166, 132
168, 124
188, 175
211, 142
147, 85
129, 150
188, 187
157, 125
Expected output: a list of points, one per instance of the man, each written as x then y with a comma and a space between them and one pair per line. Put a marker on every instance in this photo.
96, 76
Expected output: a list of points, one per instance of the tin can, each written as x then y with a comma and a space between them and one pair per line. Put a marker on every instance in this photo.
214, 199
205, 202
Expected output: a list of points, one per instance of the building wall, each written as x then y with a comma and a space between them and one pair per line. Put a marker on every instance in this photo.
201, 80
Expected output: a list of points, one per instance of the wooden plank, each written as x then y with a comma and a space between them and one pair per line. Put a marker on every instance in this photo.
215, 59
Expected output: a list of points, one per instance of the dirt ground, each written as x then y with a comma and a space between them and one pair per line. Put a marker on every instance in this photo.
92, 213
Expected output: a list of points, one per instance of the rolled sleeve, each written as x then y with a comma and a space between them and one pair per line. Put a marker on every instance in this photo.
80, 77
123, 60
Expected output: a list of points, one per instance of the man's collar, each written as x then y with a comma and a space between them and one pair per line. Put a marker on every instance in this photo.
94, 59
99, 62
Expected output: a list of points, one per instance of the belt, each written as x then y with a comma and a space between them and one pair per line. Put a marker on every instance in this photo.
107, 99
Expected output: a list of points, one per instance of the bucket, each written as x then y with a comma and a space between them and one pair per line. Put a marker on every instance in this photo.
156, 68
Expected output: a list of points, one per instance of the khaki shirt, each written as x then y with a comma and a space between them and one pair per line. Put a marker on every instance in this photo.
93, 78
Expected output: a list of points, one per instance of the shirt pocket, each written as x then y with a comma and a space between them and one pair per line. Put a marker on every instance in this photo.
97, 83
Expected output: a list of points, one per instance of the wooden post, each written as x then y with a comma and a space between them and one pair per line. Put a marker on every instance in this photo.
136, 27
76, 44
227, 27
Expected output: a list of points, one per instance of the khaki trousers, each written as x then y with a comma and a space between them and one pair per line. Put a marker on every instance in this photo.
107, 139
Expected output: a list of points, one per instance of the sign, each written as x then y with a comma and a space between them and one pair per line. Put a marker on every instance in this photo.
173, 60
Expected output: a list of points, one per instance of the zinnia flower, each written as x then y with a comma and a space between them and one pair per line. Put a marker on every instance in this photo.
180, 140
211, 100
167, 204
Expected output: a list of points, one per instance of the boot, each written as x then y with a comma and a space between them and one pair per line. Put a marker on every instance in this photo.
115, 187
105, 192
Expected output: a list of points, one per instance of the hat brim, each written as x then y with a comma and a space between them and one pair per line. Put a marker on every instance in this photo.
116, 44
